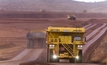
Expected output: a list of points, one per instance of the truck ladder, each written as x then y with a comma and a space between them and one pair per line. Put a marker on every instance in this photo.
69, 49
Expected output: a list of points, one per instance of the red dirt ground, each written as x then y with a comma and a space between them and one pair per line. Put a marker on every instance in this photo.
14, 27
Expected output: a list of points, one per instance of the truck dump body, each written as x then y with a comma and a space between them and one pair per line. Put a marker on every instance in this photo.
64, 43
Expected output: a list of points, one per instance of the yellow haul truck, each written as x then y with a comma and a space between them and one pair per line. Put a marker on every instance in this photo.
65, 43
72, 17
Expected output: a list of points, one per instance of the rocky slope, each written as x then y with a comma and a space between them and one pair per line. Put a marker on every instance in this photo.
100, 53
52, 5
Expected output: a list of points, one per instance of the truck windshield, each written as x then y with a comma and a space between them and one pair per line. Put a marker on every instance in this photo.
77, 38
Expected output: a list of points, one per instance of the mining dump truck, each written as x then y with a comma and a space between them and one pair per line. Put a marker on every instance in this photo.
72, 17
65, 43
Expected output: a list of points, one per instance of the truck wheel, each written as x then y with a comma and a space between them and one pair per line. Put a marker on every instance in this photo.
80, 57
49, 55
72, 60
56, 60
74, 18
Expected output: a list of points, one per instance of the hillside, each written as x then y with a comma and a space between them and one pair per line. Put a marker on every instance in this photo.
52, 5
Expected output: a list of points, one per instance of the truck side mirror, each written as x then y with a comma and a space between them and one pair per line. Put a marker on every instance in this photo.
85, 39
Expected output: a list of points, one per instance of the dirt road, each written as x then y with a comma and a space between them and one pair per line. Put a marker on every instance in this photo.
32, 54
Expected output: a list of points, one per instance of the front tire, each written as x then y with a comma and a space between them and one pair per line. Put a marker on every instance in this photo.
80, 57
72, 60
50, 56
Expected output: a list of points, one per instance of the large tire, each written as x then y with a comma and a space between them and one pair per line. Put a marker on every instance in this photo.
80, 57
74, 18
50, 55
72, 60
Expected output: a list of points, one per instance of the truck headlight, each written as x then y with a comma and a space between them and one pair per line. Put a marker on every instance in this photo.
80, 46
54, 56
77, 57
51, 46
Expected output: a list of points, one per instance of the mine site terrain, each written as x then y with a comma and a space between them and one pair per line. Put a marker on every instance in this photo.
23, 22
15, 26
